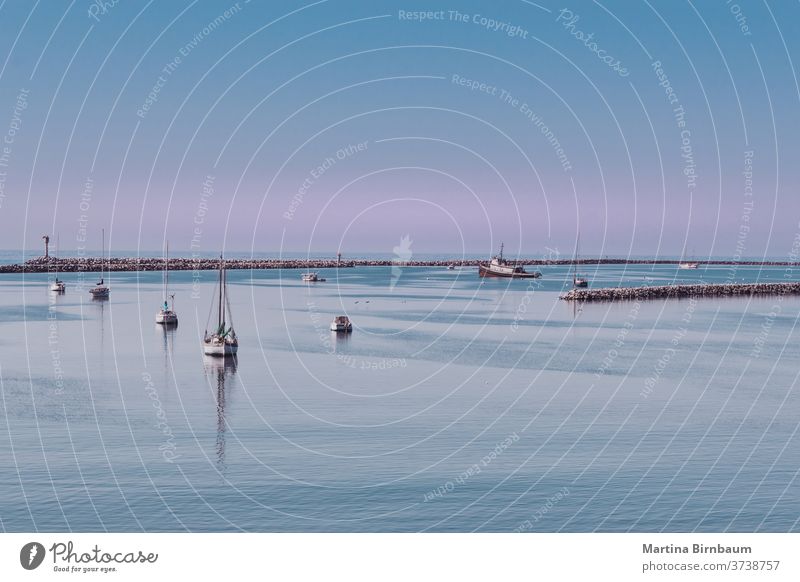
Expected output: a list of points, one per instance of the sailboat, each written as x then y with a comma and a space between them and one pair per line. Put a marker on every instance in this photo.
691, 264
223, 341
578, 280
100, 291
166, 315
57, 286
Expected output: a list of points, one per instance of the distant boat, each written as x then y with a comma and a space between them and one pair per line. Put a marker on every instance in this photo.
223, 342
341, 324
451, 267
578, 280
166, 315
690, 264
500, 267
312, 277
100, 291
57, 286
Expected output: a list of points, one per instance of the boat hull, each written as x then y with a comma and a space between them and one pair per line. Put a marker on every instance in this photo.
220, 350
342, 328
487, 272
100, 293
167, 318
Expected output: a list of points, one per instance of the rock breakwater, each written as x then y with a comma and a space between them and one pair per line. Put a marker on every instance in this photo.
681, 291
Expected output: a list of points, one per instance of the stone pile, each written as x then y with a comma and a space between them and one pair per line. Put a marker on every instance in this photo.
682, 291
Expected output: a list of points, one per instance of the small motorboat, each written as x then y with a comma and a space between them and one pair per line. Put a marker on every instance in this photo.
341, 324
311, 278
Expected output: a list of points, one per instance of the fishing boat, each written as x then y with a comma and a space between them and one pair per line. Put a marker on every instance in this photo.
451, 267
223, 341
577, 279
341, 324
311, 277
57, 286
166, 315
101, 291
500, 267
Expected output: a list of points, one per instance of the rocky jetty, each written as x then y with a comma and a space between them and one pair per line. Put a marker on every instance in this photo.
87, 265
681, 291
84, 264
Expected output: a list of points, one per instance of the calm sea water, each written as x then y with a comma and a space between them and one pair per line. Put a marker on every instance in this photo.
456, 405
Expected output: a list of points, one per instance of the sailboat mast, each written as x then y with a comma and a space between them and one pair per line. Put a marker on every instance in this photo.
224, 295
103, 254
166, 272
219, 311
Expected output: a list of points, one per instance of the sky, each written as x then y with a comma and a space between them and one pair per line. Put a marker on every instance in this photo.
649, 128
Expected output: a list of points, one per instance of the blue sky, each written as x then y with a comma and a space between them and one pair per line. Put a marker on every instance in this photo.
506, 122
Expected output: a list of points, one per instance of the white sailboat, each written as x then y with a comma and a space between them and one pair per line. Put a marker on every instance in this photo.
691, 264
57, 286
577, 279
100, 291
223, 341
166, 315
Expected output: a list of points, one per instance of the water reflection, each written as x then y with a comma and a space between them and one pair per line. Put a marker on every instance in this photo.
340, 340
219, 372
168, 337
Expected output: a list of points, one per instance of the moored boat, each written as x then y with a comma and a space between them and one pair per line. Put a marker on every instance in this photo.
166, 315
341, 324
57, 286
101, 291
690, 264
223, 341
500, 267
311, 277
578, 280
